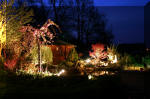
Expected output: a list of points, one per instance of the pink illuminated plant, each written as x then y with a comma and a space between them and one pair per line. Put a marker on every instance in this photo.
41, 33
98, 51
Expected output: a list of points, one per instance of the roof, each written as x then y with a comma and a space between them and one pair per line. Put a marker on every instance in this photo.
60, 42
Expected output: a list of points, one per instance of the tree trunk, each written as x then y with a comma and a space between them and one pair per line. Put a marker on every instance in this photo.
82, 29
55, 11
78, 30
39, 55
87, 38
78, 22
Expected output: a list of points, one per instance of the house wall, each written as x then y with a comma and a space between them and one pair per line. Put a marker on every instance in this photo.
60, 52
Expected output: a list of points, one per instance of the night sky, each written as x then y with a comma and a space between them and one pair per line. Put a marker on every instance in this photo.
126, 18
120, 2
127, 23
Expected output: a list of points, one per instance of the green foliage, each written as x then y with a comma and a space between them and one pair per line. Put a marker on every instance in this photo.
131, 60
46, 54
73, 55
112, 53
71, 59
66, 64
127, 59
15, 18
112, 49
146, 60
69, 63
138, 65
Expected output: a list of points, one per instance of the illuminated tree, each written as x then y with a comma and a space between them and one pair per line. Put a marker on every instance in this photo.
103, 56
2, 26
99, 54
41, 36
98, 51
11, 19
112, 54
47, 55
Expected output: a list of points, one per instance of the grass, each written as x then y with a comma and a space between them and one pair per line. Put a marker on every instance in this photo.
73, 86
3, 83
78, 86
25, 86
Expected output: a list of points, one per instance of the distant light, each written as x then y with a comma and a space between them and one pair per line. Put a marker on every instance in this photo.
115, 60
147, 49
87, 60
43, 73
61, 72
90, 77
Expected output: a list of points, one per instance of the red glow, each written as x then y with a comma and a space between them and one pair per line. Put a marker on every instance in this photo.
10, 64
98, 51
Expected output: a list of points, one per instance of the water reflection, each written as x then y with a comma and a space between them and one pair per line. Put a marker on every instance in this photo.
99, 73
91, 76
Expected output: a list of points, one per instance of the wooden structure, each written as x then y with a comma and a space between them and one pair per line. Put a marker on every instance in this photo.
60, 51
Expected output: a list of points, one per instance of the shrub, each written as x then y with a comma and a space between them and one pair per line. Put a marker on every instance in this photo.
102, 56
126, 59
67, 64
73, 55
146, 60
46, 55
3, 73
130, 61
112, 54
10, 59
98, 51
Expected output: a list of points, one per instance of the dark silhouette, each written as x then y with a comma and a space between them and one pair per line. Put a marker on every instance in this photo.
147, 24
80, 21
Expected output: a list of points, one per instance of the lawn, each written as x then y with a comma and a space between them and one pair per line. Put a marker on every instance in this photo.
116, 86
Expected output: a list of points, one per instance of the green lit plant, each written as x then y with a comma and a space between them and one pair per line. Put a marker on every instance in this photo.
73, 55
46, 57
100, 56
112, 54
11, 20
146, 60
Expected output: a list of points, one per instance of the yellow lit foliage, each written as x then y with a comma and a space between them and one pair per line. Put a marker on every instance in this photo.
2, 31
112, 54
16, 17
2, 28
